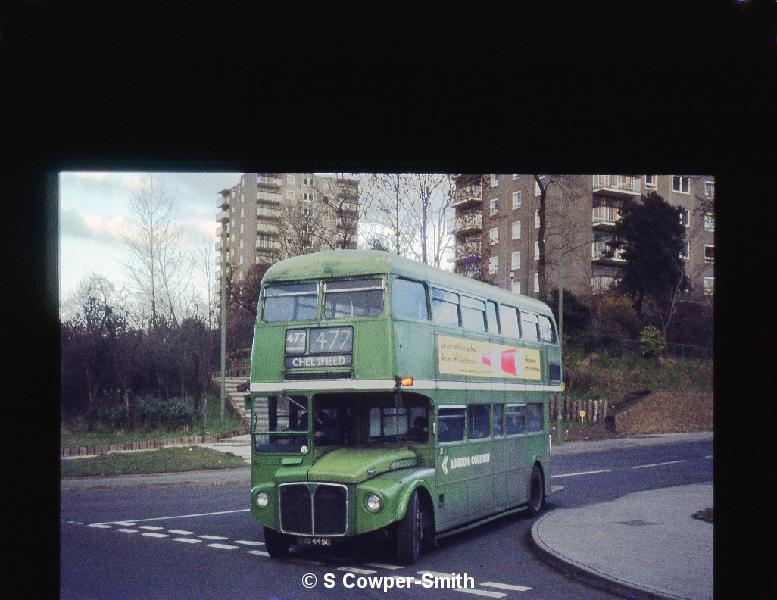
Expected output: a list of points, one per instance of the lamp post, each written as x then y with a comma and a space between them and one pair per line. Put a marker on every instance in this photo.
223, 285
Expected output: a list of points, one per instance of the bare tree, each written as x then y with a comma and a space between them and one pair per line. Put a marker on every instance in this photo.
427, 204
388, 206
302, 228
204, 257
157, 265
342, 208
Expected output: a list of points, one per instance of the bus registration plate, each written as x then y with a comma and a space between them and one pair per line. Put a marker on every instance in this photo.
314, 541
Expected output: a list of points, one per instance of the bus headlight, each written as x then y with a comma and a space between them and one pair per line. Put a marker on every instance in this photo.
261, 499
373, 503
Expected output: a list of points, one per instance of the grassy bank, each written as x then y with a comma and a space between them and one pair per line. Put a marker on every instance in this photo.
164, 460
77, 435
597, 375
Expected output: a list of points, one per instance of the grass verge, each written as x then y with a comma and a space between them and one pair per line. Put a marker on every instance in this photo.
164, 460
78, 436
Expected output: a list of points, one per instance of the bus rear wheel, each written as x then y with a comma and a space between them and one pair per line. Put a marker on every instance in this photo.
536, 492
277, 543
410, 531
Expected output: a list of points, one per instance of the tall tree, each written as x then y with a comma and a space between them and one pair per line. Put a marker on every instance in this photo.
341, 207
157, 265
388, 206
651, 236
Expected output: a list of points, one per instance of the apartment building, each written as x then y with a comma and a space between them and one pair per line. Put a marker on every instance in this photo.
270, 216
497, 224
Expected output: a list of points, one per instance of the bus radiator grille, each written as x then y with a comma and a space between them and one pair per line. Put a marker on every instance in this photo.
296, 516
329, 505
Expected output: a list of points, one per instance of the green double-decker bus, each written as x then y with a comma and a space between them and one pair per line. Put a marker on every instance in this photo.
396, 399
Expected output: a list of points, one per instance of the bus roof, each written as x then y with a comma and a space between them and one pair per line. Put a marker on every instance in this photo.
347, 263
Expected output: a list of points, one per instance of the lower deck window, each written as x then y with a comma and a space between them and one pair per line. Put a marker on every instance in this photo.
451, 424
515, 419
478, 422
534, 417
279, 423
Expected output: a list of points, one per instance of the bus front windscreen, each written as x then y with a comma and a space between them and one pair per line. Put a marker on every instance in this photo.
290, 302
280, 423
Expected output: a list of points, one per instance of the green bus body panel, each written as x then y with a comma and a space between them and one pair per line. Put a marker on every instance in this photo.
353, 465
385, 347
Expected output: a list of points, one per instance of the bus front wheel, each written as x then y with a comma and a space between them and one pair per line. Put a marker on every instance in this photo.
536, 492
410, 531
277, 543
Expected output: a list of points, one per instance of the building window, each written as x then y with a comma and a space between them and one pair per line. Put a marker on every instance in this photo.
306, 196
306, 181
516, 260
291, 179
709, 254
240, 260
516, 200
494, 180
650, 181
517, 230
516, 176
684, 251
493, 235
241, 228
493, 265
680, 183
537, 219
494, 205
536, 250
536, 282
709, 222
536, 188
685, 217
709, 286
709, 189
515, 286
290, 195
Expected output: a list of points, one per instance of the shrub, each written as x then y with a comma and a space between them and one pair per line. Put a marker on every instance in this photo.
614, 316
651, 341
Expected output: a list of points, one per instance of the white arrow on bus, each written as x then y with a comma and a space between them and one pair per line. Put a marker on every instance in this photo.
445, 464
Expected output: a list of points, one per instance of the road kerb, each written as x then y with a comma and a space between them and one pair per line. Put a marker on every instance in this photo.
589, 575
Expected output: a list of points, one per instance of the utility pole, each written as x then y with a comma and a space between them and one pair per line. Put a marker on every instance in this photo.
223, 219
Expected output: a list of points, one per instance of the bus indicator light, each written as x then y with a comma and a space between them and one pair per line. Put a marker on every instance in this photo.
406, 382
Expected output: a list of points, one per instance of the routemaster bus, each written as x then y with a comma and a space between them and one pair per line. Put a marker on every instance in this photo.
393, 398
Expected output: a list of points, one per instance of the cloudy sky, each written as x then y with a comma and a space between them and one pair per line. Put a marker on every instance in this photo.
94, 210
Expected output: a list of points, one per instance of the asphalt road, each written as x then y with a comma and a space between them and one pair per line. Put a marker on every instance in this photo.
200, 542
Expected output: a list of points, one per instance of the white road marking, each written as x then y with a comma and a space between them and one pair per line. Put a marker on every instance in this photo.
556, 488
125, 523
156, 535
99, 525
151, 528
220, 512
128, 530
213, 537
357, 571
180, 531
383, 566
436, 574
249, 543
188, 540
75, 522
505, 586
710, 456
671, 462
480, 592
582, 473
223, 546
259, 553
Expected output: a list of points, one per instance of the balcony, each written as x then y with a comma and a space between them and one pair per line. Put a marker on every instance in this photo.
617, 185
468, 194
272, 197
468, 222
600, 251
605, 216
223, 201
268, 180
223, 216
468, 251
268, 245
268, 213
262, 227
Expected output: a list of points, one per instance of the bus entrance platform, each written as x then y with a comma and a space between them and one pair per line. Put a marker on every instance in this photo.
649, 544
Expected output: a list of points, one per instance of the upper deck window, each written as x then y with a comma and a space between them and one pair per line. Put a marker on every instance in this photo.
353, 298
547, 333
529, 326
473, 314
445, 307
408, 299
493, 324
508, 317
290, 302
